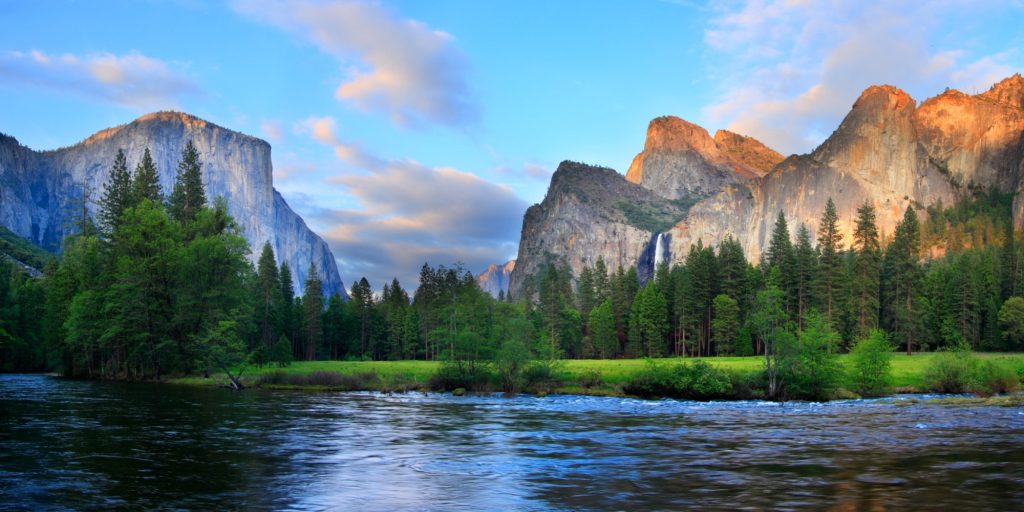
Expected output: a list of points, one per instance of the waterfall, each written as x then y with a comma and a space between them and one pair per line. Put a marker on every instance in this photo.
660, 251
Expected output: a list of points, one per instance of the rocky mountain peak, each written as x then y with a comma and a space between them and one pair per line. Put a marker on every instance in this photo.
1009, 91
495, 279
750, 152
681, 160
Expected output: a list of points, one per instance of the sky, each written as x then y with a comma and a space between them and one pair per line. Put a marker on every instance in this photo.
407, 132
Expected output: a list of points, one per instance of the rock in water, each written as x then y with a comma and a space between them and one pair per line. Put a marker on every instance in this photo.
39, 188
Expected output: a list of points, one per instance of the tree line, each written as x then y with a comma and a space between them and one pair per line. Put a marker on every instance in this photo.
162, 284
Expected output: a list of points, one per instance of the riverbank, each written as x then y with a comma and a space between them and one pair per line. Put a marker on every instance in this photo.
580, 377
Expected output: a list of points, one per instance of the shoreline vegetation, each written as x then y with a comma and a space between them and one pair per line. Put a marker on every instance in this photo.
713, 378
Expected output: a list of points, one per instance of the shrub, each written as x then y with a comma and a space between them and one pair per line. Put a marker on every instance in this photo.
951, 371
542, 374
811, 370
697, 380
590, 379
474, 375
992, 378
871, 371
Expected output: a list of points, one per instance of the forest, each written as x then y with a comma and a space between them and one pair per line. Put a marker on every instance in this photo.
162, 284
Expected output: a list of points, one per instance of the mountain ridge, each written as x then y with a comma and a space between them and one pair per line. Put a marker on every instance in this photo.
38, 187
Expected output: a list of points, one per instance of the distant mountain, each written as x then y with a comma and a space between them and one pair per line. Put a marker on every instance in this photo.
495, 279
39, 189
888, 150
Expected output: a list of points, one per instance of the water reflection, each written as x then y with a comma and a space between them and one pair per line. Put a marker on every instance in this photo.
75, 445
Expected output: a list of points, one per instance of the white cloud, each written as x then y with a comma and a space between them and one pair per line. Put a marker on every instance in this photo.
271, 128
792, 69
133, 79
400, 67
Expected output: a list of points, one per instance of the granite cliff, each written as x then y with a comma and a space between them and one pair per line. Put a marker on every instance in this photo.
494, 280
887, 150
39, 188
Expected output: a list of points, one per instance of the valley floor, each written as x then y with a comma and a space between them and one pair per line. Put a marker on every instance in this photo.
605, 377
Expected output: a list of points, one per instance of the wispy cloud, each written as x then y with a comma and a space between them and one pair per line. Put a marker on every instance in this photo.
410, 213
401, 67
272, 129
132, 80
791, 69
528, 170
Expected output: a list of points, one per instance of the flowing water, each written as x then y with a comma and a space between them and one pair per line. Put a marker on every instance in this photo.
97, 445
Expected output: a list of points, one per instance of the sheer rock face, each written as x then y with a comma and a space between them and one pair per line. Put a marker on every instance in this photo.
588, 212
39, 190
495, 279
681, 160
888, 151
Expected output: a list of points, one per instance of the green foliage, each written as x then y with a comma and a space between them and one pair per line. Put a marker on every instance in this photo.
653, 217
811, 371
871, 371
993, 378
697, 380
726, 324
951, 371
1011, 319
188, 195
22, 250
282, 352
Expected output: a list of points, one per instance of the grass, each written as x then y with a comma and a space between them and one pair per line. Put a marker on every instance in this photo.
907, 371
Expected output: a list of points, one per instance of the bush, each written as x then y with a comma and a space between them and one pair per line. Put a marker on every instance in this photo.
697, 381
991, 378
542, 374
811, 370
951, 371
871, 371
590, 379
473, 375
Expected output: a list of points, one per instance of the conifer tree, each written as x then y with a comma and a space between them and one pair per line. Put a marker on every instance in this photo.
781, 255
117, 194
830, 249
867, 266
188, 195
805, 269
269, 301
313, 307
146, 182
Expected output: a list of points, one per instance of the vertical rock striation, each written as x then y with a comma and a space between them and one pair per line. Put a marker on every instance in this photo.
39, 191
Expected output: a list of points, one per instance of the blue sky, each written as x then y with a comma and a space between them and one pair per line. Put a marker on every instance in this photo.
411, 131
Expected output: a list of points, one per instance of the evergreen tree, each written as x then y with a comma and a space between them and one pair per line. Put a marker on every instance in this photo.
362, 306
313, 307
782, 256
268, 286
901, 284
188, 195
805, 270
648, 322
602, 330
602, 287
586, 297
829, 276
288, 323
867, 266
117, 194
726, 325
146, 181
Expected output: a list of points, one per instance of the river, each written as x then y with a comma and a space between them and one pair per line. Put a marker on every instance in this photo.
67, 444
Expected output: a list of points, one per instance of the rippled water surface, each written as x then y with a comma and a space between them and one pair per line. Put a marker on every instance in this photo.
97, 445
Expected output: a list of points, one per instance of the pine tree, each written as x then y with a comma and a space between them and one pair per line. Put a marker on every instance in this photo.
269, 301
901, 281
602, 330
867, 266
602, 288
188, 195
117, 194
830, 250
726, 325
586, 298
649, 322
146, 182
781, 255
313, 307
805, 270
288, 323
362, 305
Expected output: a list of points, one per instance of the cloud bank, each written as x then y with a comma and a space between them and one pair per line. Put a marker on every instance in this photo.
412, 214
132, 80
791, 69
399, 67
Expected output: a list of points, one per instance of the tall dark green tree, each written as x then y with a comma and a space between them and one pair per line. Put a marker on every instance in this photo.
117, 194
828, 282
268, 289
901, 285
188, 195
648, 322
146, 181
805, 269
313, 305
782, 256
867, 267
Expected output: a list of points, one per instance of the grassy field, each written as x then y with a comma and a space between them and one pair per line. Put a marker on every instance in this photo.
907, 371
